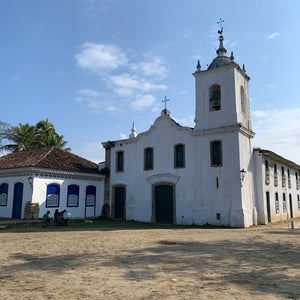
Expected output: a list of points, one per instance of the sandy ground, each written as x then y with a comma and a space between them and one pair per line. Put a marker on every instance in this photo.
110, 263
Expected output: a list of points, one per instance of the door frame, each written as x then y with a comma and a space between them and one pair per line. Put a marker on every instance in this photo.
113, 203
153, 217
17, 206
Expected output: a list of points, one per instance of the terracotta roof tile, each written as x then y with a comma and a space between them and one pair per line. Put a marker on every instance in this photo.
48, 158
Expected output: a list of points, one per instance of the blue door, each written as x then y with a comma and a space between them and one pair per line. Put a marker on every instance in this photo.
17, 201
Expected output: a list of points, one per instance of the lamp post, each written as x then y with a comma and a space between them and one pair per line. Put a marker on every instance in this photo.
30, 180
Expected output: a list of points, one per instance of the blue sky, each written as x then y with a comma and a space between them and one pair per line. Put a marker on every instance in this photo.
92, 67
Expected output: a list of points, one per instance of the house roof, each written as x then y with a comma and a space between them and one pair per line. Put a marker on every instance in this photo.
48, 158
278, 158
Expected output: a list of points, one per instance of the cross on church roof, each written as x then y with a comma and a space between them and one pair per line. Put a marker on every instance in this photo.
165, 100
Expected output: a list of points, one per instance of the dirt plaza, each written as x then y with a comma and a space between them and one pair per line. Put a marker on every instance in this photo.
92, 261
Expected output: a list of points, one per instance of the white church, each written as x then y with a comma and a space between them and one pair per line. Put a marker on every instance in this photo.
209, 174
169, 174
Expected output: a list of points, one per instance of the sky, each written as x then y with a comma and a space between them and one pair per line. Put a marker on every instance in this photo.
93, 67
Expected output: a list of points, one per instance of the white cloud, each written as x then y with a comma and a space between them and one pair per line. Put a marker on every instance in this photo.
90, 93
128, 85
273, 35
94, 101
151, 68
136, 84
278, 131
100, 57
143, 101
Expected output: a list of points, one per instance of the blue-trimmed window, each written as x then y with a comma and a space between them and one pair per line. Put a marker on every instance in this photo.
179, 156
53, 195
90, 196
3, 194
73, 195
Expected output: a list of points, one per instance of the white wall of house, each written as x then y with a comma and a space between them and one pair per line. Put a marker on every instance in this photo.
6, 211
38, 195
269, 182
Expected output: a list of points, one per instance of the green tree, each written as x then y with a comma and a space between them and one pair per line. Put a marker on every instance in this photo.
25, 137
47, 136
21, 137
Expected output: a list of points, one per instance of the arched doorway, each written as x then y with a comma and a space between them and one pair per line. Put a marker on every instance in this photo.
164, 204
17, 201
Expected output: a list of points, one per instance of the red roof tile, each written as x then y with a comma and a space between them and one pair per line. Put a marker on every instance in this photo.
48, 158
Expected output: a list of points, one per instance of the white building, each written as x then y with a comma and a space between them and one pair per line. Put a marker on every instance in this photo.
35, 181
209, 174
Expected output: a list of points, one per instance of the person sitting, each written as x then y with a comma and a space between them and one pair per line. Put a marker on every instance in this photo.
58, 217
47, 219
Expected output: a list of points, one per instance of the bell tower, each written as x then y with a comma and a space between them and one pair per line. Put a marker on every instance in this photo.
224, 140
222, 97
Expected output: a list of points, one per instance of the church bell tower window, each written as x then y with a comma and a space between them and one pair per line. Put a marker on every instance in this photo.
216, 153
214, 97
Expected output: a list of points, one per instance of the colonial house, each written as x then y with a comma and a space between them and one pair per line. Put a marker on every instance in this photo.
208, 174
35, 181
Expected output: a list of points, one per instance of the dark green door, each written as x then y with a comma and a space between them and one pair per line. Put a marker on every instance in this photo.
17, 201
164, 204
119, 202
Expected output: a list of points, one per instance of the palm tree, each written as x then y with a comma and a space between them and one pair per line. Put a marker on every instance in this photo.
25, 137
55, 140
22, 138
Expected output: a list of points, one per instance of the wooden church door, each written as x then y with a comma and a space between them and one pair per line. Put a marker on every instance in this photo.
119, 202
164, 204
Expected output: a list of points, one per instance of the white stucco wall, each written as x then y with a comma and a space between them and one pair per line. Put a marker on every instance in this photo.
201, 191
263, 186
40, 189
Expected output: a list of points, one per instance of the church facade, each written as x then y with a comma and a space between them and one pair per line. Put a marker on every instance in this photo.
208, 174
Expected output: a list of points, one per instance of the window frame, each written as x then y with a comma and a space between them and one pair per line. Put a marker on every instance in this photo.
73, 190
48, 193
4, 192
120, 161
213, 149
179, 156
212, 90
90, 191
148, 158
